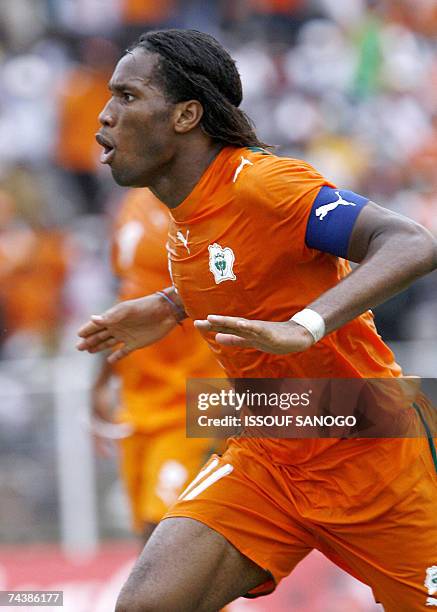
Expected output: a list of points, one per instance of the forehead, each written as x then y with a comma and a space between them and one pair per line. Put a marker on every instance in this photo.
135, 68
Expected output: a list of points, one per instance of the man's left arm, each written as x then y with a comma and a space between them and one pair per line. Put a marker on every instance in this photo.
393, 251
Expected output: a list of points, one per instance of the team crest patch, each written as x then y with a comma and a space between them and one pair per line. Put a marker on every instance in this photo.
431, 585
221, 262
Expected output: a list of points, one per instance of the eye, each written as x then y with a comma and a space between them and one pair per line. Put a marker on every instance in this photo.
127, 97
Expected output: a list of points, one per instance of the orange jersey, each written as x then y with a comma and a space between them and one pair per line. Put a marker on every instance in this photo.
237, 248
153, 379
31, 279
259, 215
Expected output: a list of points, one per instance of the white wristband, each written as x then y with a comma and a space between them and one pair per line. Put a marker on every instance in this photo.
312, 321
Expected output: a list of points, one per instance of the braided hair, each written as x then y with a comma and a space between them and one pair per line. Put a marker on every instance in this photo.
193, 65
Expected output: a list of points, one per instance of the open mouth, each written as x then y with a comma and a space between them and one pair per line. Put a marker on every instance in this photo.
108, 152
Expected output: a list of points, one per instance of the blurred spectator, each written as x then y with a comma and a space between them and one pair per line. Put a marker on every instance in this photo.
27, 109
84, 93
417, 15
138, 16
274, 21
368, 71
84, 16
22, 22
424, 161
142, 12
32, 273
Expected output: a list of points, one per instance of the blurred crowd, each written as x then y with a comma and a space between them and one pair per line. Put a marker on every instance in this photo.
349, 85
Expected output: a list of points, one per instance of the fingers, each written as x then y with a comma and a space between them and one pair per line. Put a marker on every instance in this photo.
99, 322
231, 340
110, 317
103, 346
226, 322
93, 326
229, 325
203, 325
217, 323
230, 331
82, 345
97, 342
119, 354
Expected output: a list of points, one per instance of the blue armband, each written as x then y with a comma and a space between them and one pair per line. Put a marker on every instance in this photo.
332, 220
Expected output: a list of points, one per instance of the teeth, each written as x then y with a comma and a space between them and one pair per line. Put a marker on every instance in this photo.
106, 154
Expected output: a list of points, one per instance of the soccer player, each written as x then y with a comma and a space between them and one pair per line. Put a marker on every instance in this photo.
157, 460
258, 247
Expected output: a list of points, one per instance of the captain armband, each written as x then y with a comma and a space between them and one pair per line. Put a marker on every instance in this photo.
332, 220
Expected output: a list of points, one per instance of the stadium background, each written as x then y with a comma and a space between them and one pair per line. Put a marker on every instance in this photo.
349, 85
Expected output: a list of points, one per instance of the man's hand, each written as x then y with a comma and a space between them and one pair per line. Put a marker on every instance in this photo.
129, 325
277, 338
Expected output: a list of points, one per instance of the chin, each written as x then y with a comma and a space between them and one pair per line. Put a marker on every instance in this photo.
127, 179
123, 179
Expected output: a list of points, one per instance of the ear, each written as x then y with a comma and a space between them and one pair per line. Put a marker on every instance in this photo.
187, 116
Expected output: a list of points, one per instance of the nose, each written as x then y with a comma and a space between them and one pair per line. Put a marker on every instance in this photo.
107, 116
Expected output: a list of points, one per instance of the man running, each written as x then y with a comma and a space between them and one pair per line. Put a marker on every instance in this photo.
256, 240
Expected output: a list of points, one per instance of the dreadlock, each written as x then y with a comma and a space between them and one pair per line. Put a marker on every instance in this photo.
193, 65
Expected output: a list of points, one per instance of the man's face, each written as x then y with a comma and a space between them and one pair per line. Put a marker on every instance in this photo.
137, 133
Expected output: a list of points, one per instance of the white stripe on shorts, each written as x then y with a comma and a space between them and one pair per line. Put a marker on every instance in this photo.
214, 463
212, 478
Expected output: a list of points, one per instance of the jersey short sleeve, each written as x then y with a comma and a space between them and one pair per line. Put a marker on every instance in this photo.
308, 212
278, 194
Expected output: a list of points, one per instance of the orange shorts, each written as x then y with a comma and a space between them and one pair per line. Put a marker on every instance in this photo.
387, 539
156, 467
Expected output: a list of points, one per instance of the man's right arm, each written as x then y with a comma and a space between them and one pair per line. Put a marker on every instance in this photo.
132, 324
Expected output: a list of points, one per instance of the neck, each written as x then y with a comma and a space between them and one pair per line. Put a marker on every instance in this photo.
183, 172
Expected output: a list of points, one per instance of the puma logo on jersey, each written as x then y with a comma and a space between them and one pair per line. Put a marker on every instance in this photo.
184, 239
244, 162
322, 211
